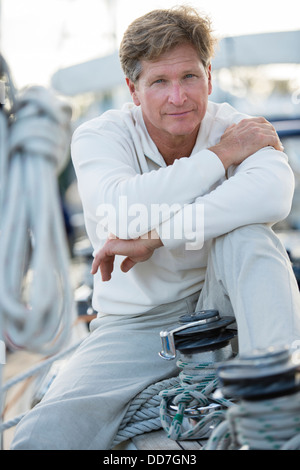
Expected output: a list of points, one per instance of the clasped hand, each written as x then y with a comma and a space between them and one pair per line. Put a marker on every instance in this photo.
241, 140
136, 251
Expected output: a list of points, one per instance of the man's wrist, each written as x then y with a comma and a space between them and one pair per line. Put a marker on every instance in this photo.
153, 238
222, 154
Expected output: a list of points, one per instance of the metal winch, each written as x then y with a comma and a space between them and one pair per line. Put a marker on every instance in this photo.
265, 385
199, 332
262, 374
202, 337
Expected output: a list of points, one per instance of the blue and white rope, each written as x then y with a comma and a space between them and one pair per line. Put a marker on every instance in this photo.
197, 384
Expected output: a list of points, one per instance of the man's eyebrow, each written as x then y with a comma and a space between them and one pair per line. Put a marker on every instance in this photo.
158, 76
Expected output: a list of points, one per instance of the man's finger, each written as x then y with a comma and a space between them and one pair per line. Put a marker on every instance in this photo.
105, 263
127, 264
106, 268
95, 266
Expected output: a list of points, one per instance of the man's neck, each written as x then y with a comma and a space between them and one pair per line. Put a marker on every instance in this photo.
170, 153
175, 147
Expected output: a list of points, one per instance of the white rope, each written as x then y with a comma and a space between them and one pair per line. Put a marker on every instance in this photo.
35, 293
36, 300
143, 414
12, 422
272, 424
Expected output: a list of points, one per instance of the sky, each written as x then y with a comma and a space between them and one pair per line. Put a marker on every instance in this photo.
38, 37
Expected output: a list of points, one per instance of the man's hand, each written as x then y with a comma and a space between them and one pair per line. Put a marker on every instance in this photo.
241, 140
136, 251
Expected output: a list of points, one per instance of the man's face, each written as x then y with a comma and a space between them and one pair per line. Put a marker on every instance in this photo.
173, 93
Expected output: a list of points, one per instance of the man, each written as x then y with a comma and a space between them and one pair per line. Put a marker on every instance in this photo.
186, 191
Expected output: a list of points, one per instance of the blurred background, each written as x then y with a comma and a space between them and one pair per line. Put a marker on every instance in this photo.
72, 46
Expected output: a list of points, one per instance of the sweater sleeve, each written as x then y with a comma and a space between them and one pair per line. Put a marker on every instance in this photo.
127, 203
259, 190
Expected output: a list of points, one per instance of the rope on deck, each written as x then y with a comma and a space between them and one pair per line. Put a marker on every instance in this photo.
143, 414
149, 410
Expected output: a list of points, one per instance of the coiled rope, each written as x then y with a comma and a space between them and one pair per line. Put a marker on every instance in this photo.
143, 414
148, 411
197, 383
35, 292
36, 299
272, 424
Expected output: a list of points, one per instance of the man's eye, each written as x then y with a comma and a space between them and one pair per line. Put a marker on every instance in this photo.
160, 80
189, 75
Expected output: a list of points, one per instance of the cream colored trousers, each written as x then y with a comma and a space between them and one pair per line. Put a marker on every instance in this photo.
248, 275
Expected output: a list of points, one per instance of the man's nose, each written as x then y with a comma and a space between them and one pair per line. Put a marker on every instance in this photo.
177, 94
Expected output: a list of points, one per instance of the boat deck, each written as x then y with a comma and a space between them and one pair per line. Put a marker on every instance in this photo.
158, 440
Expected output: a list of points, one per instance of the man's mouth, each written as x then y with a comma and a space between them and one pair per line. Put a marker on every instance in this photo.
180, 113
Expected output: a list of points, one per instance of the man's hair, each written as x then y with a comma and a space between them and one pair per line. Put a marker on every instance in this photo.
159, 31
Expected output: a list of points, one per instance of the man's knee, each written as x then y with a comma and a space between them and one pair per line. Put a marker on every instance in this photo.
250, 231
247, 235
257, 240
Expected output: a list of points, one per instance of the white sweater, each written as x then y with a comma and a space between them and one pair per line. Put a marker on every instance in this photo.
122, 177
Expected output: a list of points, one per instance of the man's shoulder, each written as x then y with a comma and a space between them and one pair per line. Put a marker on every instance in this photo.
116, 121
225, 112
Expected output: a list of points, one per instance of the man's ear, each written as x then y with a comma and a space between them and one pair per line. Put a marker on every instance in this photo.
209, 80
133, 91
